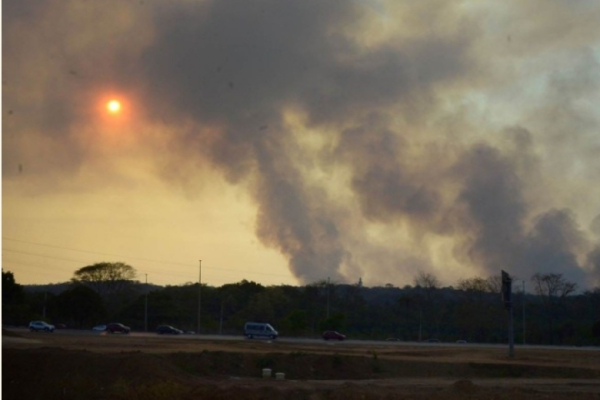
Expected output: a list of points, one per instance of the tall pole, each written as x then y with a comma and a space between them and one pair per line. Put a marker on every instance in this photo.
511, 333
146, 307
221, 320
523, 312
420, 322
199, 296
44, 308
508, 304
327, 297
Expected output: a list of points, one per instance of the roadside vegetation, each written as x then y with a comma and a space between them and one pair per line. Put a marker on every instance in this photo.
472, 310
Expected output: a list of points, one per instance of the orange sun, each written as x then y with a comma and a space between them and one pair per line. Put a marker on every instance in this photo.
113, 106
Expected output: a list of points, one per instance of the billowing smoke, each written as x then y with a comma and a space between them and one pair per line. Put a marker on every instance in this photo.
376, 139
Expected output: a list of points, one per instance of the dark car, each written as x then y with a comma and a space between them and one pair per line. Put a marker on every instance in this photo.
116, 327
433, 340
333, 335
168, 330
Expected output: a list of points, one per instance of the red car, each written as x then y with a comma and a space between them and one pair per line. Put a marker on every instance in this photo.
116, 327
333, 335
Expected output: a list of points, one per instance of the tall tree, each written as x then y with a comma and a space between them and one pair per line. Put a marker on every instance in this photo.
553, 289
105, 277
12, 292
113, 281
429, 310
81, 305
552, 286
426, 280
476, 296
14, 309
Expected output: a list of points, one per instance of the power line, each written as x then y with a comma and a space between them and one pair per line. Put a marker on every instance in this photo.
93, 252
38, 266
43, 255
128, 256
44, 269
62, 269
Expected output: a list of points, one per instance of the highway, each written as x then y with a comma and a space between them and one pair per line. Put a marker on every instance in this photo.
315, 341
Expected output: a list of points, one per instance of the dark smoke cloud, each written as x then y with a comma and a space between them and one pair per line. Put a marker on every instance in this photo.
384, 182
492, 205
593, 261
595, 225
553, 244
395, 115
241, 67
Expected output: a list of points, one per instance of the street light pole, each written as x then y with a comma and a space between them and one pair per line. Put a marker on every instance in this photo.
523, 312
199, 296
327, 297
44, 308
146, 307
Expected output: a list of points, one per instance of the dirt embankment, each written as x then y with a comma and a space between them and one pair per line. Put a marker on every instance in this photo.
114, 367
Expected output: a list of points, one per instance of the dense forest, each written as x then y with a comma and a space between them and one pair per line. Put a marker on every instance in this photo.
552, 313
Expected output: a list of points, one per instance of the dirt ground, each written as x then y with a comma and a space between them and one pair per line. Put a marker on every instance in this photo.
66, 366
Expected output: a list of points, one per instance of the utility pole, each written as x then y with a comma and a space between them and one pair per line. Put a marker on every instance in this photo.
221, 320
508, 304
420, 322
328, 297
146, 307
44, 308
199, 297
523, 312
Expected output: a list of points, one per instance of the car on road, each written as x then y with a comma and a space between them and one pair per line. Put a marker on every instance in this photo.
115, 327
36, 326
168, 330
260, 329
432, 340
461, 341
333, 335
99, 328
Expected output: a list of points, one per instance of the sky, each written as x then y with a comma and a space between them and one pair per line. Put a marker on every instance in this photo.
289, 142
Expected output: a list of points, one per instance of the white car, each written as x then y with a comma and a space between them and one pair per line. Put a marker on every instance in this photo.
36, 326
99, 328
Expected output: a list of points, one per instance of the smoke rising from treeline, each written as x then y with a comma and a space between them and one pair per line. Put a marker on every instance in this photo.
377, 139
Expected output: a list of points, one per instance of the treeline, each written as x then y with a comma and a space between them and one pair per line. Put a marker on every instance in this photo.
472, 311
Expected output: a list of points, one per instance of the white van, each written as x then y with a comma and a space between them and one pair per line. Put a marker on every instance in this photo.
259, 329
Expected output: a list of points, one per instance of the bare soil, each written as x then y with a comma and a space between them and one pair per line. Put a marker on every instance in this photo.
71, 366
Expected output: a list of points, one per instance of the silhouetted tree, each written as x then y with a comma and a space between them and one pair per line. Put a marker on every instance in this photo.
14, 309
105, 278
429, 310
12, 292
113, 281
297, 322
81, 305
553, 289
477, 297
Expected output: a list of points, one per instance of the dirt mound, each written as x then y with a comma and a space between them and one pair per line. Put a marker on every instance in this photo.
51, 372
7, 333
28, 373
464, 386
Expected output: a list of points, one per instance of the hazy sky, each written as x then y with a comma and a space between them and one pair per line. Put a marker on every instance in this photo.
292, 141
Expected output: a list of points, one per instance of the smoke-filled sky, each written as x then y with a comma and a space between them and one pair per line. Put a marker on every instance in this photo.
295, 141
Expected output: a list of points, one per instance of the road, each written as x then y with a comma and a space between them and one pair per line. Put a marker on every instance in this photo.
315, 341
